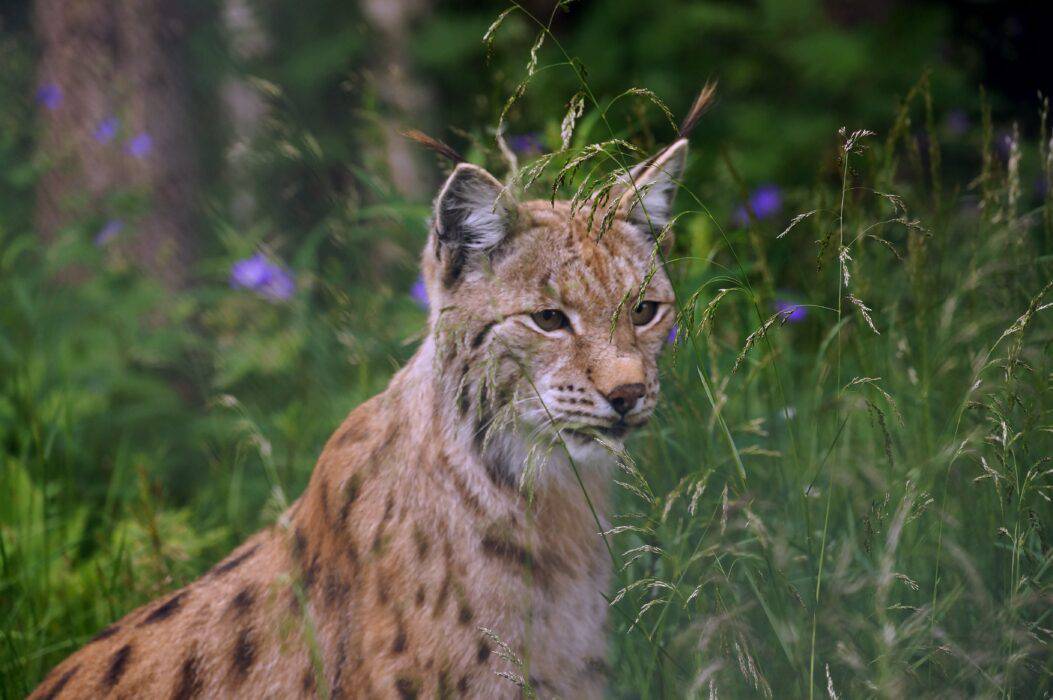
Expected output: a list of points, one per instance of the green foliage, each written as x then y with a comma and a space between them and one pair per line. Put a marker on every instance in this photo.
144, 434
790, 73
890, 526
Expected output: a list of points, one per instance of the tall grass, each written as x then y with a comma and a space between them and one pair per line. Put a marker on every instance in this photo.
854, 503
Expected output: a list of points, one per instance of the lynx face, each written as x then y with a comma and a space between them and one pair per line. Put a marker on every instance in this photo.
551, 325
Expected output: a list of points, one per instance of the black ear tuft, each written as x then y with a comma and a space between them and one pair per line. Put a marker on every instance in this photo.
702, 103
433, 144
648, 192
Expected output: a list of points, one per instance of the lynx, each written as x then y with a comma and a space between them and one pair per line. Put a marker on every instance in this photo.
448, 543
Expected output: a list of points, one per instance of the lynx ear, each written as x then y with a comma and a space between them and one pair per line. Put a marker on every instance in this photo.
472, 211
473, 214
647, 198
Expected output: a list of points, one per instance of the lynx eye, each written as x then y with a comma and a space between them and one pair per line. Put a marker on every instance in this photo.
643, 313
550, 319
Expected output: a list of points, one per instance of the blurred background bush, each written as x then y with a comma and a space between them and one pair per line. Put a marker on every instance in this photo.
209, 230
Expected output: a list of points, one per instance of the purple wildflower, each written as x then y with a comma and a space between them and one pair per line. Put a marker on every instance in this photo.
419, 293
281, 286
765, 201
108, 232
250, 273
49, 96
790, 312
106, 131
526, 144
140, 145
957, 122
264, 277
673, 332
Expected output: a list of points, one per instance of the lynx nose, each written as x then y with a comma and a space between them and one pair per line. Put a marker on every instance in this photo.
624, 396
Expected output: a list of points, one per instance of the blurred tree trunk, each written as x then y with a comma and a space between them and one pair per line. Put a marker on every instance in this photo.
122, 127
403, 97
245, 108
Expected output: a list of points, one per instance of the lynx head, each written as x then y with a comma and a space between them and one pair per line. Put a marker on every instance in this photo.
543, 322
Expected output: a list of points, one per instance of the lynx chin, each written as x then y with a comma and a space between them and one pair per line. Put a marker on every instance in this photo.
445, 513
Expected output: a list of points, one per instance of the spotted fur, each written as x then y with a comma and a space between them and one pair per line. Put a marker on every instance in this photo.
449, 503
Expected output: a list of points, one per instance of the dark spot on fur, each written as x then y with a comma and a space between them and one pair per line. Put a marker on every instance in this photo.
307, 682
483, 420
190, 683
338, 690
106, 633
323, 498
352, 554
379, 539
483, 653
541, 684
399, 645
464, 403
382, 591
234, 562
504, 548
408, 687
351, 491
421, 540
462, 685
469, 498
118, 665
597, 667
299, 544
310, 573
336, 589
165, 610
444, 593
481, 335
379, 449
454, 268
243, 654
420, 596
445, 689
499, 543
54, 690
499, 473
356, 432
464, 615
241, 602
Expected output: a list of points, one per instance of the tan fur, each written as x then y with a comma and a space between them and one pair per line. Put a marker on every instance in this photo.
442, 507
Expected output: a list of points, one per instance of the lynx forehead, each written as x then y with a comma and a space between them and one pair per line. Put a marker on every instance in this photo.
414, 553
